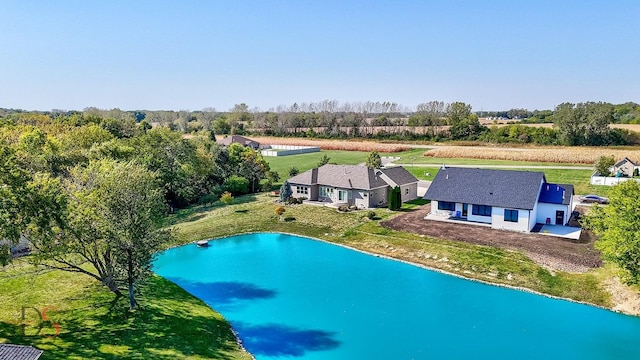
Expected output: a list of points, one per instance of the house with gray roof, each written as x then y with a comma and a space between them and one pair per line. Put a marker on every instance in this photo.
353, 185
19, 352
237, 139
503, 199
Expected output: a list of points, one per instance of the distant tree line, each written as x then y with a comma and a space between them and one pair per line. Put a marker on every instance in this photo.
573, 124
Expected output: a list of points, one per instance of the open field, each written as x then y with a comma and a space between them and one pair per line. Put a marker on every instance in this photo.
171, 324
570, 155
349, 145
502, 123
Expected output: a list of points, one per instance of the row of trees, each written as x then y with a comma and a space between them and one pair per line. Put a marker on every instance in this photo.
86, 189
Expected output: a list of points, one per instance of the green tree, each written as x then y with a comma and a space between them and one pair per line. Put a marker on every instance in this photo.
373, 160
293, 171
618, 228
113, 222
323, 160
584, 123
394, 199
603, 164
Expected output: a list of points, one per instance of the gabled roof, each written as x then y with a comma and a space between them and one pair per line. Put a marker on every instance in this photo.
399, 175
352, 177
621, 162
556, 194
501, 188
238, 140
19, 352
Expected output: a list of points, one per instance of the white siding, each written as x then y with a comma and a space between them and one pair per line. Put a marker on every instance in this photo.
549, 211
478, 218
361, 199
497, 220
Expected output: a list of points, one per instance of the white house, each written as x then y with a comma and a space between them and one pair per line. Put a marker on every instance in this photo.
504, 199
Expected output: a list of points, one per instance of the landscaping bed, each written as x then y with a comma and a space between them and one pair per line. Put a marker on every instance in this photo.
552, 252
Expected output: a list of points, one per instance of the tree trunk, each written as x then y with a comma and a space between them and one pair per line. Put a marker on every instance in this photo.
132, 299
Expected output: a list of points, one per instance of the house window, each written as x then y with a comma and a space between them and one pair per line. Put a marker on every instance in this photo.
302, 190
326, 192
445, 205
481, 210
511, 215
342, 195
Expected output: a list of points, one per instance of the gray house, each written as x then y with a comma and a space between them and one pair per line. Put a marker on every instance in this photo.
237, 139
353, 185
505, 199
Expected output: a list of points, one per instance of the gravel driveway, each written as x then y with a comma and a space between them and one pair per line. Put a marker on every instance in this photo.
552, 252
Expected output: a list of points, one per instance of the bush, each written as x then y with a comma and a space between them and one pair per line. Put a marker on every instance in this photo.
371, 215
343, 208
237, 185
226, 198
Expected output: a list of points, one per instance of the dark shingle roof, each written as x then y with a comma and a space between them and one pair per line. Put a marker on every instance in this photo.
399, 175
556, 194
501, 188
351, 177
19, 352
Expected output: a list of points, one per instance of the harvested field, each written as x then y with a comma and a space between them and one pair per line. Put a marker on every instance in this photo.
568, 155
351, 145
548, 251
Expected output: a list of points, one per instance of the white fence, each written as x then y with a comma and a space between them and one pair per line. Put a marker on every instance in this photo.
284, 150
609, 181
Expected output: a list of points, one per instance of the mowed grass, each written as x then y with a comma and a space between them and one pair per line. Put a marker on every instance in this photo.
170, 324
580, 178
356, 230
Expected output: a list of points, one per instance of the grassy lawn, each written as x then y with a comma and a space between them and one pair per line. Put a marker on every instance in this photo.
171, 324
578, 177
356, 230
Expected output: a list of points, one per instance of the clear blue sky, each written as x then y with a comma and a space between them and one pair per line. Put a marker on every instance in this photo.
494, 55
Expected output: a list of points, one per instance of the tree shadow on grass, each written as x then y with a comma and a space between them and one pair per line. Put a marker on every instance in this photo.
170, 324
282, 340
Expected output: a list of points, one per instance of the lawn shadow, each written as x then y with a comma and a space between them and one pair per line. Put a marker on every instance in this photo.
282, 340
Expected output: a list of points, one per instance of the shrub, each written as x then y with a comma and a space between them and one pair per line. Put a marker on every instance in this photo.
280, 210
226, 198
343, 208
237, 184
293, 171
371, 214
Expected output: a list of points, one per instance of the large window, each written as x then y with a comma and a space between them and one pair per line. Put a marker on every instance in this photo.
326, 192
511, 215
342, 195
481, 210
445, 205
302, 190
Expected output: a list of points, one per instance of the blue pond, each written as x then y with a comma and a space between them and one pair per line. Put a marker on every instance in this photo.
294, 298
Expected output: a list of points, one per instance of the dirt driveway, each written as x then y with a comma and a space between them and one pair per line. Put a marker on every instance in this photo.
552, 252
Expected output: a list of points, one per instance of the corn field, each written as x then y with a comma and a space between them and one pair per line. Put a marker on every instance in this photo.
568, 155
350, 145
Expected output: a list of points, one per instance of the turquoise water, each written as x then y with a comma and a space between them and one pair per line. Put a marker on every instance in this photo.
294, 298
